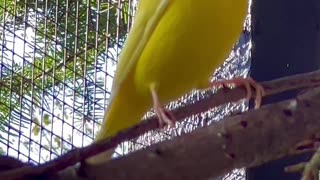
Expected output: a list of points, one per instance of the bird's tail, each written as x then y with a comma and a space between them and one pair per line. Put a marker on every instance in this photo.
125, 110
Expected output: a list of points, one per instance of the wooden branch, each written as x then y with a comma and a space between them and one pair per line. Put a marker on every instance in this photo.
306, 80
245, 140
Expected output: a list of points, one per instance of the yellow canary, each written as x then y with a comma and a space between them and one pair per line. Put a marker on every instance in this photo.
174, 46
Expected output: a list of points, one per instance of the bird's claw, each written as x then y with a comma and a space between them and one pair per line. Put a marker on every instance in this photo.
165, 117
248, 83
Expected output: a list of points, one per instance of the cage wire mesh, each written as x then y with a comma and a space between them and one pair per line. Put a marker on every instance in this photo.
57, 63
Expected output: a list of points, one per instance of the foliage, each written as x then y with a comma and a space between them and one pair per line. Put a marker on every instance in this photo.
70, 44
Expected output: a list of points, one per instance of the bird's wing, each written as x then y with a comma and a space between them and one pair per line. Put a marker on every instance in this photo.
148, 16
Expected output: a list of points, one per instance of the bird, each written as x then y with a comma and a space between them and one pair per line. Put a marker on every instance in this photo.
173, 47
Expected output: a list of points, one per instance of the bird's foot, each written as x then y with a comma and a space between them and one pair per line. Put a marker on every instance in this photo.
164, 116
248, 83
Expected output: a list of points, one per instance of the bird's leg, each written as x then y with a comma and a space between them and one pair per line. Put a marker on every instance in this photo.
248, 83
164, 116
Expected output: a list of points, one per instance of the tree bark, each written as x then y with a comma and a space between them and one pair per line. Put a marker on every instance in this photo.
244, 140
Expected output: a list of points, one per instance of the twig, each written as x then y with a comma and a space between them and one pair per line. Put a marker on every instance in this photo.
297, 168
309, 170
223, 96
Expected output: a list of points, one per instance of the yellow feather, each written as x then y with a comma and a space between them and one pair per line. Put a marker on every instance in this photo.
174, 45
